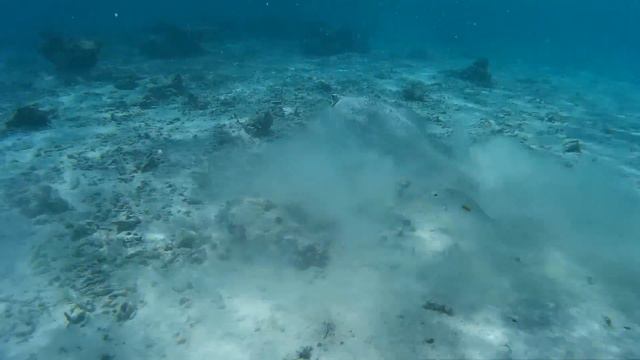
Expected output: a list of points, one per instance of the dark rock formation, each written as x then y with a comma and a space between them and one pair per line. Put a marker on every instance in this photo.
171, 42
477, 73
70, 56
29, 118
260, 125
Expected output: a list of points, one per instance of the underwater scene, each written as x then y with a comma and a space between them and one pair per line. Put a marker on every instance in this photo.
319, 179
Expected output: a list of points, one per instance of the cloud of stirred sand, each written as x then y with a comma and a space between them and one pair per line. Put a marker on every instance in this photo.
537, 230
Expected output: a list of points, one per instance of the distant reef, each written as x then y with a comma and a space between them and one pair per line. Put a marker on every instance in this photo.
70, 55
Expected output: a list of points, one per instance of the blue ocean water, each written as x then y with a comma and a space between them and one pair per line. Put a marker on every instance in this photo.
306, 179
596, 34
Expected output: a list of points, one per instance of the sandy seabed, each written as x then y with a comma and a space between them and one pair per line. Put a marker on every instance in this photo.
254, 204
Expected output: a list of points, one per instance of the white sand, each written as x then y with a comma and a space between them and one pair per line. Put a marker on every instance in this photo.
535, 250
